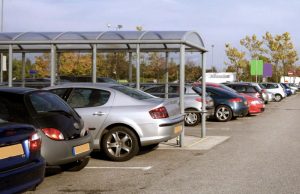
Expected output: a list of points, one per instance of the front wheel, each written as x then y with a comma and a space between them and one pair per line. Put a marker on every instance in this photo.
223, 113
191, 118
278, 97
120, 144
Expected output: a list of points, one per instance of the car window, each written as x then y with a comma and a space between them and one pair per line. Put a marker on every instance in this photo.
251, 89
137, 94
12, 108
86, 97
47, 102
60, 92
156, 89
241, 89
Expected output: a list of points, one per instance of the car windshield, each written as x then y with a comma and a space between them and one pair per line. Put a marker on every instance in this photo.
134, 93
47, 102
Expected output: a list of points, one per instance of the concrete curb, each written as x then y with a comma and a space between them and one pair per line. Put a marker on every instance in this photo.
194, 143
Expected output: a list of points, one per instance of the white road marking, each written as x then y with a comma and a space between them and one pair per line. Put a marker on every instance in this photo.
219, 128
122, 168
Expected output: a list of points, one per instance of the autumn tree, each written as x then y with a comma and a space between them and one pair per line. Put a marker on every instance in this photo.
237, 61
282, 52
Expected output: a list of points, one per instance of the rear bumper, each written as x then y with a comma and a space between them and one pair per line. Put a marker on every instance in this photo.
160, 132
22, 178
62, 152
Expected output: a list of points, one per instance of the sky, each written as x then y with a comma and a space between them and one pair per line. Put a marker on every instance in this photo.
217, 21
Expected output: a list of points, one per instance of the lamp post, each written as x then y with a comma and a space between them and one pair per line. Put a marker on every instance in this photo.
1, 56
212, 57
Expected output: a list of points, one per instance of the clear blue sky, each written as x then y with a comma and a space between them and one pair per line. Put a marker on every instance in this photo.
217, 21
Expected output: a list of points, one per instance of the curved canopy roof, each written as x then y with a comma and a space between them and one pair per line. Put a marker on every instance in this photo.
106, 40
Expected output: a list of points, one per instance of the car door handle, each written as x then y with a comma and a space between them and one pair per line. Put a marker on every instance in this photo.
98, 113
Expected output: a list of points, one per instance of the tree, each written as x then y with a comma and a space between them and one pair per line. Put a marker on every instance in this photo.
237, 61
282, 53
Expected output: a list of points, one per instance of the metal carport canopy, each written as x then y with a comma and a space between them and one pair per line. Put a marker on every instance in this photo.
106, 41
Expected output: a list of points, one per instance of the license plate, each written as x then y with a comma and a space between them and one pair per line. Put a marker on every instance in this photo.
178, 129
11, 151
81, 149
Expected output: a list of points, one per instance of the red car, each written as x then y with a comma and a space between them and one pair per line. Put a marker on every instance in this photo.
256, 105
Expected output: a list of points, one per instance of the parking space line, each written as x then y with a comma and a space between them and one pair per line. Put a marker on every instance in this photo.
219, 128
122, 168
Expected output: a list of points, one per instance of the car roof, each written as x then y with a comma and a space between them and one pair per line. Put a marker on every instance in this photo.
16, 90
85, 85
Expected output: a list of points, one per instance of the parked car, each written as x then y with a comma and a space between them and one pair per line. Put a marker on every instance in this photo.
65, 140
87, 79
122, 119
256, 105
289, 91
276, 89
21, 164
192, 101
228, 105
293, 86
246, 88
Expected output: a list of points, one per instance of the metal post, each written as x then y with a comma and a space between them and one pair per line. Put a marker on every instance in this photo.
1, 69
52, 65
10, 56
167, 76
138, 66
181, 88
57, 69
203, 122
130, 67
94, 63
23, 69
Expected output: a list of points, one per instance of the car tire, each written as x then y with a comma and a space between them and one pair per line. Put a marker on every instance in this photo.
223, 113
278, 97
120, 144
191, 118
77, 165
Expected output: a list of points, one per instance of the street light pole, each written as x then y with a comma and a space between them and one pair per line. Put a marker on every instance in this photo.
212, 57
1, 56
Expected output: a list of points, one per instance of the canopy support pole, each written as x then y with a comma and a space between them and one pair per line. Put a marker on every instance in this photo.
23, 68
181, 88
203, 122
52, 65
138, 66
94, 71
10, 56
167, 76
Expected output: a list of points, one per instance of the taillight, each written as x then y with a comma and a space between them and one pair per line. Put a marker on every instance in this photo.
35, 143
53, 133
159, 113
235, 100
198, 99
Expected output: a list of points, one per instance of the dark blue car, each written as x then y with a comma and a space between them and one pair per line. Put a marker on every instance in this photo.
287, 89
21, 165
228, 105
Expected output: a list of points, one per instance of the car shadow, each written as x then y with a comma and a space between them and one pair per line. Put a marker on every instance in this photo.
52, 170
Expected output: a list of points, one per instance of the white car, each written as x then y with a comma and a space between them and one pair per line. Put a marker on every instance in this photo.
276, 89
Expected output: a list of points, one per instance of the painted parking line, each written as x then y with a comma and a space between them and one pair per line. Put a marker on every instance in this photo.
122, 168
219, 128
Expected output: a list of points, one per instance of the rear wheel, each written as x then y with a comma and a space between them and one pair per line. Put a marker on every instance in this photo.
223, 113
278, 97
120, 144
77, 165
192, 118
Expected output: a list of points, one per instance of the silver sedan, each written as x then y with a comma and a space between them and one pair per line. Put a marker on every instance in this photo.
122, 119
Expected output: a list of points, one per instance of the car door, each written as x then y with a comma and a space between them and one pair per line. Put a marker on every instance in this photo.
93, 105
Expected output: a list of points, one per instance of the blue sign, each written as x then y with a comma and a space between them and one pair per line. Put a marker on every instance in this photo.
32, 71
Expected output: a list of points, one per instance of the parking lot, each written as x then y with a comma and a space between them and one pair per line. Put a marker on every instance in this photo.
261, 156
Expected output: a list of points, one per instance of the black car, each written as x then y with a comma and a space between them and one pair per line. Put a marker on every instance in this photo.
65, 140
228, 105
246, 88
21, 165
